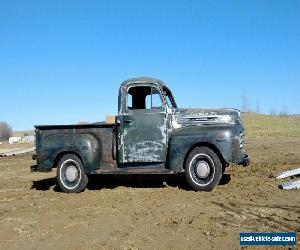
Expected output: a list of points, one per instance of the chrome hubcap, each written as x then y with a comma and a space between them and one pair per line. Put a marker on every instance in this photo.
71, 173
202, 169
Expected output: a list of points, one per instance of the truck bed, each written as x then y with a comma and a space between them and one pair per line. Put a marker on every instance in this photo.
95, 143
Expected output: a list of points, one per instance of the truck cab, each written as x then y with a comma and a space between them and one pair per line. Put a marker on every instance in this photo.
149, 135
145, 122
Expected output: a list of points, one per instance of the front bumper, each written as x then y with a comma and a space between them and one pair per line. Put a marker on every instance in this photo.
246, 161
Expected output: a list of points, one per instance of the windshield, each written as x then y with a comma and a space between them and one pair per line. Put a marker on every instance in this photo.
169, 98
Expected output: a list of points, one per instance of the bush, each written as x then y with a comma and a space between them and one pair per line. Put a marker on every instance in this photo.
5, 131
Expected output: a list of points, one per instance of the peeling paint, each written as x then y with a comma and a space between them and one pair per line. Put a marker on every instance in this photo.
145, 135
207, 116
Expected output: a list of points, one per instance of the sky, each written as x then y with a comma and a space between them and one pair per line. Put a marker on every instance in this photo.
62, 62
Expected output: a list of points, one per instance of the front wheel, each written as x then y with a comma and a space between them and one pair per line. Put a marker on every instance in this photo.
70, 174
203, 169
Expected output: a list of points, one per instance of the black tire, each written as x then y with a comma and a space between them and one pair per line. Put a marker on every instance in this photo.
203, 169
70, 174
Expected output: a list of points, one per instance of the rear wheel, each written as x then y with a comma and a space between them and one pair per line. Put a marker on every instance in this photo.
203, 169
70, 174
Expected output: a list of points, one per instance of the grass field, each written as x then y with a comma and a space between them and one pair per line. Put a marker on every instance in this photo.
271, 127
156, 212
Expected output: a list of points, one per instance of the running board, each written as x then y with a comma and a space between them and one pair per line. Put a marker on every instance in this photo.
133, 170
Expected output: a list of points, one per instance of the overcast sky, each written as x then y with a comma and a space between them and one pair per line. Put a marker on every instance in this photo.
63, 61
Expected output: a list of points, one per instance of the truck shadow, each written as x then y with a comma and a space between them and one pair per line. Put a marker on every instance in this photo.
45, 184
137, 181
97, 182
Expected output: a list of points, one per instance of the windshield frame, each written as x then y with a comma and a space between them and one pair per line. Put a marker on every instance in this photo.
169, 98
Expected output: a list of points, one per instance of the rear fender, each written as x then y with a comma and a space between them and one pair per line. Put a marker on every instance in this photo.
85, 146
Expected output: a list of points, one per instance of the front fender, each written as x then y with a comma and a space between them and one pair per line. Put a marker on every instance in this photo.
221, 138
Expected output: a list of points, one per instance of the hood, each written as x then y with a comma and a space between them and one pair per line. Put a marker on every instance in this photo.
206, 116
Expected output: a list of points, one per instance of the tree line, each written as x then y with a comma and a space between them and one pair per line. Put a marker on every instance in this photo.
246, 107
5, 131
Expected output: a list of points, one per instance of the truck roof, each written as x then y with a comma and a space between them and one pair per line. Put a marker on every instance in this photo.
139, 80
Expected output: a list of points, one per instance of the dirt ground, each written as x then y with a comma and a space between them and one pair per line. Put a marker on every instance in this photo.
151, 212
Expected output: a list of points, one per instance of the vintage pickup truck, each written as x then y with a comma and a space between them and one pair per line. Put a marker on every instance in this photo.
150, 135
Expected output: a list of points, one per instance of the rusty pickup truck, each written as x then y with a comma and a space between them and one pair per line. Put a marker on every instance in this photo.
149, 135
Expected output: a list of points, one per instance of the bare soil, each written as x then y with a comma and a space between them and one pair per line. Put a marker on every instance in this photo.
150, 212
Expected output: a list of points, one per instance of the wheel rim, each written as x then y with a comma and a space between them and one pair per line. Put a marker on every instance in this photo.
70, 174
202, 169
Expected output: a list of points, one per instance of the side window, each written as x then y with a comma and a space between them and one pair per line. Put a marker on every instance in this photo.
143, 97
156, 100
129, 101
148, 101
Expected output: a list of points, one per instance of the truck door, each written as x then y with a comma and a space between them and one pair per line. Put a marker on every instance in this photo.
142, 134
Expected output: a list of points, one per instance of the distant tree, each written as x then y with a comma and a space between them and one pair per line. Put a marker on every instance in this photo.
283, 111
257, 106
244, 98
26, 134
273, 111
5, 131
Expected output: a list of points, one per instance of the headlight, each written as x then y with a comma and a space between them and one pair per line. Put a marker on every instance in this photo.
242, 140
239, 117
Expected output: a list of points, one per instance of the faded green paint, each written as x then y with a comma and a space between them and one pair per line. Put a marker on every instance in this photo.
157, 135
224, 139
143, 136
92, 143
143, 132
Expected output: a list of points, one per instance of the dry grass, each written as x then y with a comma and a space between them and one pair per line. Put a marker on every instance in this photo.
271, 127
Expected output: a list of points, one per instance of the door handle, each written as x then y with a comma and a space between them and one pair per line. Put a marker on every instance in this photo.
127, 121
